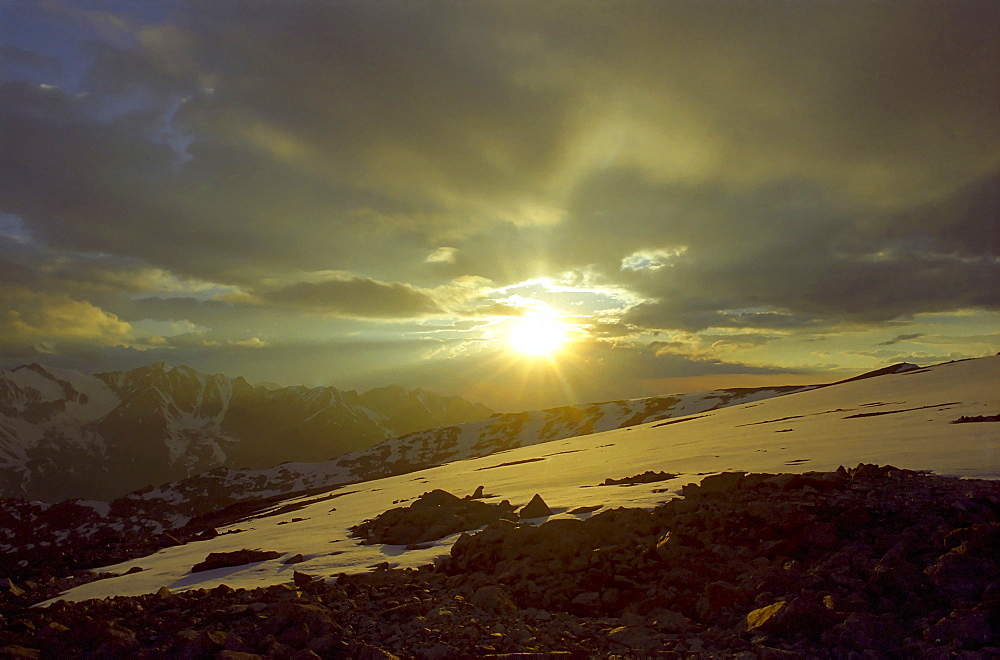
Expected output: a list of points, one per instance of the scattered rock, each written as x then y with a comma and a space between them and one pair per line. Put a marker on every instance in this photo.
868, 562
236, 558
646, 477
430, 517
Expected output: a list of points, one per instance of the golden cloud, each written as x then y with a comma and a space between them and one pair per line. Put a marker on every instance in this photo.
33, 317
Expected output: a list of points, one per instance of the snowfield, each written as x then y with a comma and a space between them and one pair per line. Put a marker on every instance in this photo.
904, 419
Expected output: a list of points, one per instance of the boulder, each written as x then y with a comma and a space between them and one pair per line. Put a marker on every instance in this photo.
536, 508
236, 558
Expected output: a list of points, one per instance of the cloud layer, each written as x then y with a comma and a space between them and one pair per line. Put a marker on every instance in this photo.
305, 172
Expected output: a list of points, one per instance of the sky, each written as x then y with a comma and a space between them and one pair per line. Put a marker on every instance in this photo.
678, 195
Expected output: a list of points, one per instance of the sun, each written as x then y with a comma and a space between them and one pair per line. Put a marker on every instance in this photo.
537, 335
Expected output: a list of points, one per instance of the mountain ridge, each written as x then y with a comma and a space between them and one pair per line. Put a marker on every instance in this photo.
66, 434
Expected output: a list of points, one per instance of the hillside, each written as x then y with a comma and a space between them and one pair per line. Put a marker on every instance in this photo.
64, 434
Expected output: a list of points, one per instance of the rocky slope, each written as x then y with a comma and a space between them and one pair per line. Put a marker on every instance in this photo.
66, 435
867, 562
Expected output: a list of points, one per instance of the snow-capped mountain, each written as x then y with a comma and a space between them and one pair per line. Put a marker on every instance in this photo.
940, 419
64, 434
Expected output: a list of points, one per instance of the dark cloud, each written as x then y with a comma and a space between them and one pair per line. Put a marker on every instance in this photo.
783, 256
15, 62
900, 338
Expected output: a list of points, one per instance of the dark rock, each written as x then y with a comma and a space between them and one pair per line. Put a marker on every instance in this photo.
302, 580
536, 508
8, 586
861, 631
430, 517
883, 564
493, 599
236, 558
723, 482
964, 629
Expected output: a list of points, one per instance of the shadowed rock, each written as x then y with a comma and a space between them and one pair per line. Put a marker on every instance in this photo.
235, 558
536, 508
432, 516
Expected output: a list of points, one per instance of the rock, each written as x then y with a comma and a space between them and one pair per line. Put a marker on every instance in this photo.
493, 599
536, 508
430, 517
302, 580
962, 575
862, 631
294, 559
8, 586
763, 618
964, 629
634, 637
723, 482
669, 547
368, 652
236, 558
670, 622
718, 596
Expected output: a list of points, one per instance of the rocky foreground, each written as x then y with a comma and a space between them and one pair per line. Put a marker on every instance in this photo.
867, 562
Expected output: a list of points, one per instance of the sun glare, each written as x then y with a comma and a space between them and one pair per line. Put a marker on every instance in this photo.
537, 335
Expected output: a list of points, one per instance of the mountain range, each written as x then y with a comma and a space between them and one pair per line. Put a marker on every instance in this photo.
65, 434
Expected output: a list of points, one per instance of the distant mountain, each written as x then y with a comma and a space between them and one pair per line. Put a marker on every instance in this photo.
64, 434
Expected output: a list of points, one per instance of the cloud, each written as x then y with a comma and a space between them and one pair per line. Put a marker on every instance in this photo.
32, 318
252, 342
356, 297
900, 338
739, 169
14, 60
442, 255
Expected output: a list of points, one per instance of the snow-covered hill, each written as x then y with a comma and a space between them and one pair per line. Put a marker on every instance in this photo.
64, 434
941, 419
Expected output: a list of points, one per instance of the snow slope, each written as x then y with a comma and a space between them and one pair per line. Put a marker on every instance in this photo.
905, 419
